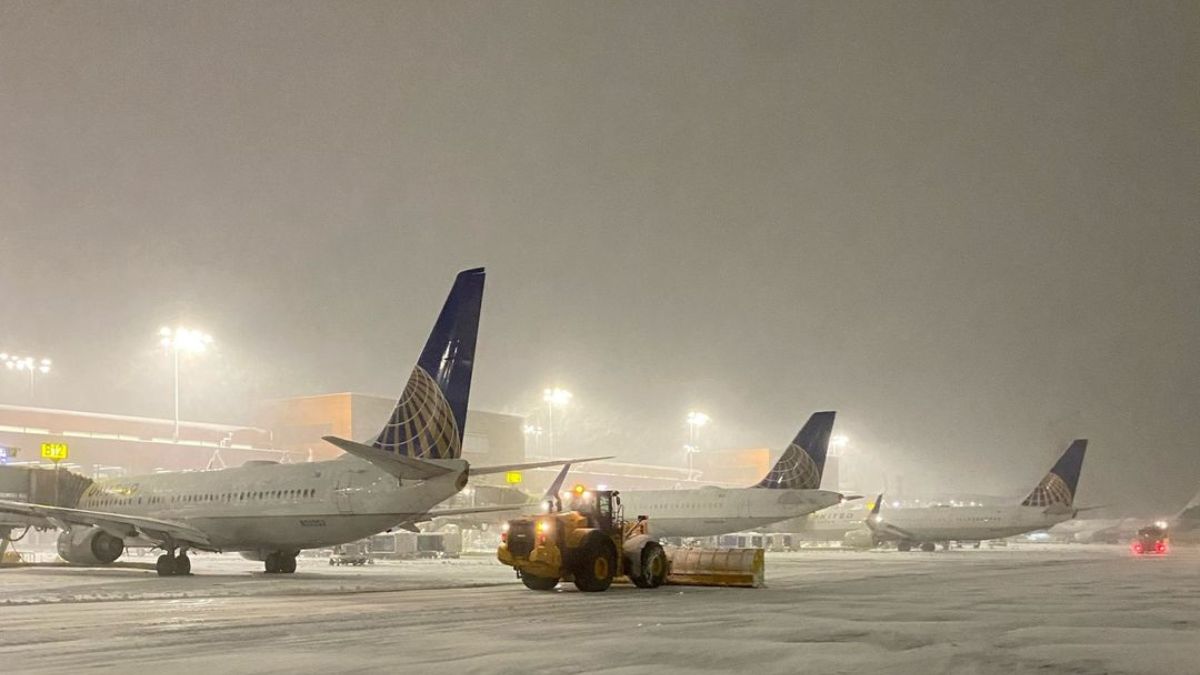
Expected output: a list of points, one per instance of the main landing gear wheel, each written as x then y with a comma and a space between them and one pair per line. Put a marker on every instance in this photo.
280, 563
929, 547
904, 547
169, 565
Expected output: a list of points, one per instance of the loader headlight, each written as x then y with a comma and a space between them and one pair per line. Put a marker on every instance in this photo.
504, 527
543, 526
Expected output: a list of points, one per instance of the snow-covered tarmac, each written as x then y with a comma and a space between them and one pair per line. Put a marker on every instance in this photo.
1043, 609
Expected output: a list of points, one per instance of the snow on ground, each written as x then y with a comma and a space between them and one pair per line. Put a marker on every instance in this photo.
1043, 609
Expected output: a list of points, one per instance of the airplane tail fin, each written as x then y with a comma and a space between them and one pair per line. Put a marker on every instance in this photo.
1058, 487
1189, 517
430, 417
801, 465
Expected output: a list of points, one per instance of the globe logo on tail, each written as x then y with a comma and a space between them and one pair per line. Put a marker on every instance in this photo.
422, 425
795, 470
1052, 490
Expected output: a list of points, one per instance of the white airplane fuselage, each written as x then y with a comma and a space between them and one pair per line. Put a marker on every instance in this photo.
927, 524
827, 525
965, 523
260, 508
709, 511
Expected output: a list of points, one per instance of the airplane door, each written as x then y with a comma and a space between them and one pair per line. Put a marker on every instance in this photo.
342, 493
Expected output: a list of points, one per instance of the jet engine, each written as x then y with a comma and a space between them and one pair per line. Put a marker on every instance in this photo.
89, 546
861, 539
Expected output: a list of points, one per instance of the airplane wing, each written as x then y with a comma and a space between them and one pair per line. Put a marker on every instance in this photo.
879, 526
116, 524
503, 468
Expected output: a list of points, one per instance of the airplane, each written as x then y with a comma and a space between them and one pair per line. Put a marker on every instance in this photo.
860, 525
268, 511
1051, 502
790, 489
1184, 526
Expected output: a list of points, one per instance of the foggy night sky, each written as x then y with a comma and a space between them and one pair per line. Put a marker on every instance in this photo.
971, 228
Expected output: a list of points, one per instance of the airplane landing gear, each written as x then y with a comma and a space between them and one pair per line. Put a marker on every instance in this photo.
904, 547
169, 564
280, 563
929, 547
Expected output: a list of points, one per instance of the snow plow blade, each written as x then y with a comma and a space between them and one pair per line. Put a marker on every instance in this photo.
741, 567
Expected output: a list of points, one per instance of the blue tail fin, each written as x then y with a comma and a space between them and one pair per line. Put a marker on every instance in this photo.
431, 415
802, 463
1058, 487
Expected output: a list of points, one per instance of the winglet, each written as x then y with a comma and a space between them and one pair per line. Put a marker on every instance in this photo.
556, 486
873, 517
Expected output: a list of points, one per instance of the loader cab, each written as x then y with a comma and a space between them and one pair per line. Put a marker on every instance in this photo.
608, 514
601, 507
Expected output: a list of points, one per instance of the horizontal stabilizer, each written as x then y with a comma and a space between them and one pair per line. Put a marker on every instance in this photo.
502, 468
400, 466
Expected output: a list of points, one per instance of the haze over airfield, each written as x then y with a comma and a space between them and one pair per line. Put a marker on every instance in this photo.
970, 228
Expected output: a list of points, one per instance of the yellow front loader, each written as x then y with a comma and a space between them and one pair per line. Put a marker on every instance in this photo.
590, 545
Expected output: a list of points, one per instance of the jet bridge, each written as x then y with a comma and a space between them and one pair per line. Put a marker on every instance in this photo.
38, 486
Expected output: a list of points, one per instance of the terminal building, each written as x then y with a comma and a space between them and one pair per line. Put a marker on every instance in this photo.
290, 430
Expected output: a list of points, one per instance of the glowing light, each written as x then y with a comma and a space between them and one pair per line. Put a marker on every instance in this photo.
556, 397
698, 419
184, 340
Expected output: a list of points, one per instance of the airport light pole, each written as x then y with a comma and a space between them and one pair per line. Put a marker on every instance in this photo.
695, 422
29, 364
533, 430
186, 341
554, 398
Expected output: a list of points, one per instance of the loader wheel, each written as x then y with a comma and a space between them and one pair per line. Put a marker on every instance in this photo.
654, 567
596, 564
539, 583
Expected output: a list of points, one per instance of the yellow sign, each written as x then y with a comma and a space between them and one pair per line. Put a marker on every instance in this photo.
55, 452
513, 477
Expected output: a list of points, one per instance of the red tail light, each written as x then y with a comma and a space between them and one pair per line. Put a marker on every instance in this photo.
1137, 547
1160, 547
